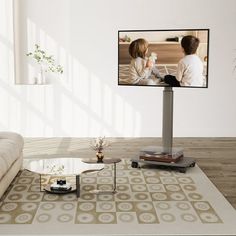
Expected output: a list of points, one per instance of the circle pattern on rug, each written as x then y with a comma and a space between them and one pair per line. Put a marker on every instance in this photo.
42, 218
149, 173
85, 218
19, 188
86, 206
105, 206
51, 197
183, 206
121, 180
88, 187
209, 217
168, 180
9, 206
30, 206
105, 173
48, 206
188, 217
105, 197
106, 217
4, 218
105, 187
126, 217
69, 197
141, 196
67, 206
173, 188
89, 180
64, 218
88, 196
135, 173
147, 217
163, 205
165, 173
15, 196
122, 188
185, 180
167, 217
202, 206
23, 218
123, 196
34, 188
103, 180
136, 180
156, 188
33, 197
159, 196
24, 180
189, 187
125, 206
177, 196
139, 188
152, 180
195, 196
144, 206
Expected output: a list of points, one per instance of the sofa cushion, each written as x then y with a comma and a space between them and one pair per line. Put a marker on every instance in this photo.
11, 145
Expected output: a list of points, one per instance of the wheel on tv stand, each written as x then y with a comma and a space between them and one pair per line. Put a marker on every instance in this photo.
182, 170
134, 164
193, 164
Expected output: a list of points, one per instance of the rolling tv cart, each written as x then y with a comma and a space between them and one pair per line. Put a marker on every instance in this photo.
181, 165
167, 156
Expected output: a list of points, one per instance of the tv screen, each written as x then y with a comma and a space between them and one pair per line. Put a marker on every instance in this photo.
176, 58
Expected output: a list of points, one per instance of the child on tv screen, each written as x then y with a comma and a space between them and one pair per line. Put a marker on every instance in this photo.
190, 67
141, 68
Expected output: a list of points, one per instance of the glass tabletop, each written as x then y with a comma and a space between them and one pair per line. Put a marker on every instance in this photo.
60, 166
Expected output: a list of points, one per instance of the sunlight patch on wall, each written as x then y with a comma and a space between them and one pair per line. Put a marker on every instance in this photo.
107, 104
3, 61
119, 118
80, 82
80, 102
66, 113
4, 104
96, 94
3, 18
31, 35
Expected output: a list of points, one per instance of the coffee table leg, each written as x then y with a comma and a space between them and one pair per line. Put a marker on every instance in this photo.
77, 185
40, 183
114, 185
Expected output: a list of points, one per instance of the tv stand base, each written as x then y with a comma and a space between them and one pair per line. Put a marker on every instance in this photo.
172, 160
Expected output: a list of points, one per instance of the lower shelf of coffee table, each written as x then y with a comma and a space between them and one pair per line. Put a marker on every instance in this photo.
48, 189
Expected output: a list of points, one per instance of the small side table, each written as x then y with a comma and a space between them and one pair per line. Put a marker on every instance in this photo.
105, 161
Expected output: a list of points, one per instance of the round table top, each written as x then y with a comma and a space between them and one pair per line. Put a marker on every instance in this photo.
104, 161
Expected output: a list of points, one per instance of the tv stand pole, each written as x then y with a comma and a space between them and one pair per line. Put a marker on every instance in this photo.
167, 120
167, 128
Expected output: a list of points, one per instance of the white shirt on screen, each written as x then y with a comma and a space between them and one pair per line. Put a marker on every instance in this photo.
190, 71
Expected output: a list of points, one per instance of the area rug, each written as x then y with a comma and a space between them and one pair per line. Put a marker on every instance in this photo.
148, 201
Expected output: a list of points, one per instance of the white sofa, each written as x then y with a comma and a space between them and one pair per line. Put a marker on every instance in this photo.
11, 158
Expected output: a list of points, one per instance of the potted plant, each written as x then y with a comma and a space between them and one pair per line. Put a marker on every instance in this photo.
98, 144
45, 62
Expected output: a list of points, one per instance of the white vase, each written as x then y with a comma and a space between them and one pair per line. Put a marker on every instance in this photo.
41, 76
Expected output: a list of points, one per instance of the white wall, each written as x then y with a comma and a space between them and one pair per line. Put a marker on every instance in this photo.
87, 101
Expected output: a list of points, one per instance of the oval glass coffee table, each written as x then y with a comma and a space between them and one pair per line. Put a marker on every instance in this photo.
61, 167
92, 161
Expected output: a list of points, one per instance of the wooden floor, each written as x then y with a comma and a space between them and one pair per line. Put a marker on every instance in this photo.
215, 156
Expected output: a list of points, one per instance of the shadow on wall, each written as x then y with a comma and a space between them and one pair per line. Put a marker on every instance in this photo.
80, 104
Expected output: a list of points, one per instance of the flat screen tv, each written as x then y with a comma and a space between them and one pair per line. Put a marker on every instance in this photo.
175, 58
